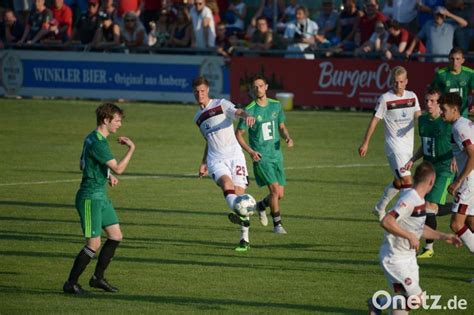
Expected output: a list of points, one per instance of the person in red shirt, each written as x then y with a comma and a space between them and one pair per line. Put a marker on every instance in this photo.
124, 6
398, 41
63, 15
368, 20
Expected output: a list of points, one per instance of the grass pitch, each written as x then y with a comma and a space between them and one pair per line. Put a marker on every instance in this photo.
177, 255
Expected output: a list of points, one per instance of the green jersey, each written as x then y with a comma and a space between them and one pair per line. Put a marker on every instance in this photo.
264, 136
462, 83
436, 143
95, 154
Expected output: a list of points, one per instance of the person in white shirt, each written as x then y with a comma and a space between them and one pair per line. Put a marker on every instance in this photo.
301, 34
399, 109
223, 158
404, 225
203, 26
462, 219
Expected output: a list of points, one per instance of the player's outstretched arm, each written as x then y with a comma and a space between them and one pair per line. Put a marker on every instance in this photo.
239, 134
469, 149
249, 120
203, 165
418, 154
429, 233
389, 223
119, 167
286, 135
368, 135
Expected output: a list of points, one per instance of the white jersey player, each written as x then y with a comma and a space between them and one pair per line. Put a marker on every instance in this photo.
462, 219
399, 109
404, 225
223, 157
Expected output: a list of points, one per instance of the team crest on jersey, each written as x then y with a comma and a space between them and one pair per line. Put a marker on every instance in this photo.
448, 83
259, 118
407, 281
207, 126
463, 83
404, 113
274, 115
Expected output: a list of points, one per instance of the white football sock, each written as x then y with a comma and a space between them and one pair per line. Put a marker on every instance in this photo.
388, 194
467, 238
244, 233
230, 199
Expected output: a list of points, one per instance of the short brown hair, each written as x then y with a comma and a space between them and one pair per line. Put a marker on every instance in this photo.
451, 100
107, 111
259, 76
199, 81
423, 172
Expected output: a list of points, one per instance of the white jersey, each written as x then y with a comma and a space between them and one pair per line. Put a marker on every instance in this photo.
410, 215
398, 114
463, 135
216, 124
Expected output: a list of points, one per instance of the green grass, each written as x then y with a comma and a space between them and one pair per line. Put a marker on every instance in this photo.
177, 255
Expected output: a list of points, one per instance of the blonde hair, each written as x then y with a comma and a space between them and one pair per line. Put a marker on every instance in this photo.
398, 70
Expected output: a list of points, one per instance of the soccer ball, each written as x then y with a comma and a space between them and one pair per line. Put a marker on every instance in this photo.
245, 205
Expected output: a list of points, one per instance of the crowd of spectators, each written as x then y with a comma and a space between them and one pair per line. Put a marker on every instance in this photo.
391, 29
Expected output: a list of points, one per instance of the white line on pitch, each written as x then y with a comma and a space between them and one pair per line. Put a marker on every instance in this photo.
46, 182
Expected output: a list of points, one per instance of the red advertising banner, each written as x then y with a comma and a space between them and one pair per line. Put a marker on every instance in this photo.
327, 82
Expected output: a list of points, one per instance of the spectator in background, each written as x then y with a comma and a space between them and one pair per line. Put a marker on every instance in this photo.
403, 11
159, 33
203, 25
235, 16
108, 7
223, 45
181, 31
262, 38
327, 23
301, 34
425, 10
108, 34
377, 42
132, 31
399, 40
212, 4
13, 29
347, 25
88, 23
125, 6
370, 16
265, 9
38, 24
462, 34
289, 15
22, 9
438, 34
63, 15
151, 12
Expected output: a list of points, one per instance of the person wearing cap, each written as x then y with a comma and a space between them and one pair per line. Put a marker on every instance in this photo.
437, 34
63, 15
88, 23
108, 34
38, 24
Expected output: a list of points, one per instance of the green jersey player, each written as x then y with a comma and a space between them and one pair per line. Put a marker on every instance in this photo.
264, 149
456, 78
93, 206
436, 148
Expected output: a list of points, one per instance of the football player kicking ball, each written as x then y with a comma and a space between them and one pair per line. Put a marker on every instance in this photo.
92, 203
398, 108
223, 157
462, 219
264, 149
435, 147
404, 225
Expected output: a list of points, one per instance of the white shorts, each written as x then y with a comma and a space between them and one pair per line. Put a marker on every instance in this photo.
236, 169
464, 199
397, 163
402, 271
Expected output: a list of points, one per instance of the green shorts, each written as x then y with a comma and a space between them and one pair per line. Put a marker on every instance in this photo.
269, 172
439, 192
95, 215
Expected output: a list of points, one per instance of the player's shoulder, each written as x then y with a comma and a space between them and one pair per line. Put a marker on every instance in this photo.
442, 71
251, 106
467, 69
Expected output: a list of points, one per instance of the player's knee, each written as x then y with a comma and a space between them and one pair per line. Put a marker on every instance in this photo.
281, 194
456, 226
116, 236
94, 243
405, 182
